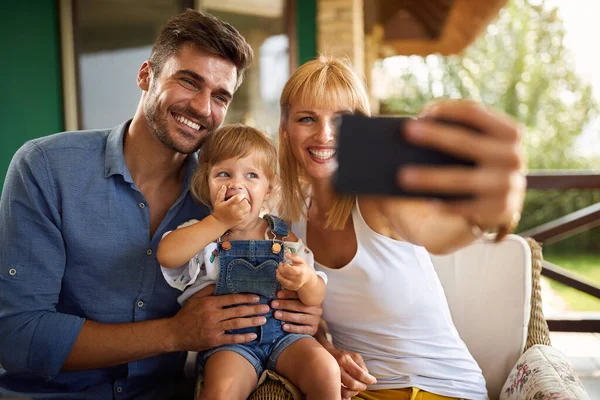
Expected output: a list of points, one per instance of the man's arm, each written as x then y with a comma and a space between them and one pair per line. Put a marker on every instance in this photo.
200, 325
35, 338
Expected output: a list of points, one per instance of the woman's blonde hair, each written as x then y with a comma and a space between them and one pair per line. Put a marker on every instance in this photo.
232, 141
327, 83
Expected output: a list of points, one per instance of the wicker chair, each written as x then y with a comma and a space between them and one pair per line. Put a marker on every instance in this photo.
509, 271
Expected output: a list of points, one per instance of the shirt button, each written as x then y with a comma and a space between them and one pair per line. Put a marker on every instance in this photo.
142, 205
12, 272
149, 252
140, 304
119, 389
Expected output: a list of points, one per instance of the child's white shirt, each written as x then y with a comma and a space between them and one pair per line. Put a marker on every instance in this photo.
203, 269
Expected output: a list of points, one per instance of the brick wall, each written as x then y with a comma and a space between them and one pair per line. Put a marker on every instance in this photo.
340, 30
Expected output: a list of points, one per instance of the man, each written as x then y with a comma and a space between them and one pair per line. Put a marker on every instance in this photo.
84, 310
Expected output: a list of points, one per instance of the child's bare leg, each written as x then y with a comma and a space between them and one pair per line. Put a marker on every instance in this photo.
310, 367
228, 375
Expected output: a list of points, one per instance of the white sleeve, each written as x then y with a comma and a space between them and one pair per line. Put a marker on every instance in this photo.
187, 274
303, 251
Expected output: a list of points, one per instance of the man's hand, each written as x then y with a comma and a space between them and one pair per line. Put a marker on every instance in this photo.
293, 277
301, 318
230, 212
203, 320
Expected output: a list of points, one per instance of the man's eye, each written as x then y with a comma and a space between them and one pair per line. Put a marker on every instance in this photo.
221, 99
188, 83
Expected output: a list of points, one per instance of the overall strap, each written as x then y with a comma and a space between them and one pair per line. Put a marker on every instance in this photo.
277, 225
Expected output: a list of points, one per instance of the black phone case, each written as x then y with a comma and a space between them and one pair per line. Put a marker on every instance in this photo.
372, 149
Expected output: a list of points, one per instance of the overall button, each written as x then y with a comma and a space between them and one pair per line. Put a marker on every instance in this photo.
149, 252
119, 389
12, 272
142, 205
140, 304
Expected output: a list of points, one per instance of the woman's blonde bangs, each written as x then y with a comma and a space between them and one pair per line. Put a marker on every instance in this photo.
326, 84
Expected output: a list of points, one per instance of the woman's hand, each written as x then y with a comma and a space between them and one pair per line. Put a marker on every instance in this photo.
301, 318
355, 375
497, 182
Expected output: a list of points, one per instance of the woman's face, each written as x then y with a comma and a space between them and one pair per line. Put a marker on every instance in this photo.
312, 136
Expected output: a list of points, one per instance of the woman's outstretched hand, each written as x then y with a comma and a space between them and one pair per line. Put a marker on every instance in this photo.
497, 182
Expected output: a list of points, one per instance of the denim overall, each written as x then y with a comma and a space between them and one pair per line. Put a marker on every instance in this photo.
249, 267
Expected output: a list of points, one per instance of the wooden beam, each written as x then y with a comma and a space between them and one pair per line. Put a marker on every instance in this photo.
574, 325
570, 279
562, 180
569, 225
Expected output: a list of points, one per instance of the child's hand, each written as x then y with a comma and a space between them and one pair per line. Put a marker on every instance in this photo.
293, 277
233, 211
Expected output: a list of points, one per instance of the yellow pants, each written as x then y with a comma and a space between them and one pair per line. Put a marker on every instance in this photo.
411, 393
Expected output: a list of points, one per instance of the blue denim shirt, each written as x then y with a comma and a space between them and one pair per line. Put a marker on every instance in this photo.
75, 244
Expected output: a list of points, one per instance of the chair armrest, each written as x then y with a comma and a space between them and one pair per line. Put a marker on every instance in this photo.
543, 372
537, 332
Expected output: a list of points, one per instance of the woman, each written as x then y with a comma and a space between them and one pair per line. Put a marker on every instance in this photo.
385, 306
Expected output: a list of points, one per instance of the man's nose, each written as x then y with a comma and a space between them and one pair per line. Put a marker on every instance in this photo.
201, 103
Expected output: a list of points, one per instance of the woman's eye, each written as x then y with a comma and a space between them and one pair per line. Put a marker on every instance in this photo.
306, 119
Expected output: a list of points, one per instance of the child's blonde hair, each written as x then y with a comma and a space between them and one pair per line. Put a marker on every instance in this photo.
233, 141
326, 83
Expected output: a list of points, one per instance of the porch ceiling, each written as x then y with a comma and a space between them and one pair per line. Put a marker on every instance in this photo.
423, 27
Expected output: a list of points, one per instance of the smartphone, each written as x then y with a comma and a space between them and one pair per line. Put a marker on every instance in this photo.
372, 149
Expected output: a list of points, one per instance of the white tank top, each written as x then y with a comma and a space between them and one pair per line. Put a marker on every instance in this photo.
388, 305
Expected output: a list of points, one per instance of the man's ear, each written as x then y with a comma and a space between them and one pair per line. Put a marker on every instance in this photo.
144, 76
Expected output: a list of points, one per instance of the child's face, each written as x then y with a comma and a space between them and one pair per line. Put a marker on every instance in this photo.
240, 175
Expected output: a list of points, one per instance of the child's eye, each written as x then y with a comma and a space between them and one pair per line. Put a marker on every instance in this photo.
222, 174
252, 175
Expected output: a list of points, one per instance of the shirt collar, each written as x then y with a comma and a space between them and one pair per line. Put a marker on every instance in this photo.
114, 160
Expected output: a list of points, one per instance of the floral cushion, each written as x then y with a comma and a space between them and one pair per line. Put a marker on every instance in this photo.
543, 373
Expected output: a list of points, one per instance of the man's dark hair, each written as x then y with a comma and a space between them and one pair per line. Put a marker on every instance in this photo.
204, 32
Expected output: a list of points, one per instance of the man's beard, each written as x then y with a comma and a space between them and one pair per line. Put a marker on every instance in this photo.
158, 125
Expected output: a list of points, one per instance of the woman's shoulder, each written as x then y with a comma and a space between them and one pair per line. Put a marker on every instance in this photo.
370, 211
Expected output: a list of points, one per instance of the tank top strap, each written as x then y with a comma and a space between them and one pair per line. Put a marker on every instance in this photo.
358, 221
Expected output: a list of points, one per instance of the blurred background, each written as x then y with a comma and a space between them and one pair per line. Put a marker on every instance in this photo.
72, 64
